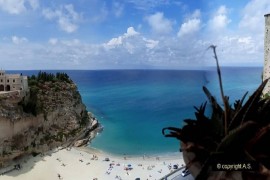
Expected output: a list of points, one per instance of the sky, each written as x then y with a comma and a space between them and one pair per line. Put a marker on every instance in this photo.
130, 34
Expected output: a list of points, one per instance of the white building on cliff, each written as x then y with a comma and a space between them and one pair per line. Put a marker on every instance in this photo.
13, 83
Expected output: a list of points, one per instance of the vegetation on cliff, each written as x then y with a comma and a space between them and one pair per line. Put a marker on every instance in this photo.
48, 92
51, 115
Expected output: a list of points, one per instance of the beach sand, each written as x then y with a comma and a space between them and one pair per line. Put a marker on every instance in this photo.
88, 163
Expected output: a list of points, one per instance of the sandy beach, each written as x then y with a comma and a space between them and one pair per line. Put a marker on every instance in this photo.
88, 164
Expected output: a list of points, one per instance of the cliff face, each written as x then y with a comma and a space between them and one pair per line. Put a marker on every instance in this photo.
53, 118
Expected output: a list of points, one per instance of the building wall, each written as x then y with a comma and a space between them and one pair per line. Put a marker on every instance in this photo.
13, 82
25, 83
266, 70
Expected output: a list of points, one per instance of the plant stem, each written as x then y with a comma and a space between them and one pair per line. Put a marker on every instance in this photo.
221, 90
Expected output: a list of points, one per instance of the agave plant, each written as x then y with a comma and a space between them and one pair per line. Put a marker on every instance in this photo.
233, 133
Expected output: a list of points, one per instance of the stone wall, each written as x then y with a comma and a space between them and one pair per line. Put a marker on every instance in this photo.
266, 70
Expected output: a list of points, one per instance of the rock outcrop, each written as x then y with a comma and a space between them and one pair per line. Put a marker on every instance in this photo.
53, 115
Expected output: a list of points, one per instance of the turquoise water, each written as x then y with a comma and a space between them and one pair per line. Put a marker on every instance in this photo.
134, 105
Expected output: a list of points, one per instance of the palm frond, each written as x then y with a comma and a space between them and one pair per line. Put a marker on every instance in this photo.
173, 132
215, 106
237, 138
250, 106
190, 122
264, 115
238, 104
200, 112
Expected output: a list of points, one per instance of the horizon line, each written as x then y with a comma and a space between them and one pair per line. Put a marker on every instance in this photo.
194, 68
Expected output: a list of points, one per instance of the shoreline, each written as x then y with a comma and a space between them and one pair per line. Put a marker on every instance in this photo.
88, 163
152, 157
165, 156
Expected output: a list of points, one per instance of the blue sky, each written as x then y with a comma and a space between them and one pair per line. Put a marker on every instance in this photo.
130, 34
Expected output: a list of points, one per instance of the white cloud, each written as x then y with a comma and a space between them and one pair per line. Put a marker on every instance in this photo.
239, 50
138, 51
131, 32
159, 23
189, 27
130, 47
74, 42
130, 50
34, 4
18, 40
220, 19
245, 40
253, 16
222, 10
150, 43
12, 6
49, 14
18, 6
114, 42
147, 4
67, 18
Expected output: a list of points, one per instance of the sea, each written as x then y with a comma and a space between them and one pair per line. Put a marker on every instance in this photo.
134, 105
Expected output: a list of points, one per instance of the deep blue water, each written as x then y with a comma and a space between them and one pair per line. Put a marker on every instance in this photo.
134, 105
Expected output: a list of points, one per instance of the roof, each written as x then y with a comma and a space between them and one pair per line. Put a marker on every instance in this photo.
13, 75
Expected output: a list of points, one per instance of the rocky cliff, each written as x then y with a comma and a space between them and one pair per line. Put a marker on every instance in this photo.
51, 115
